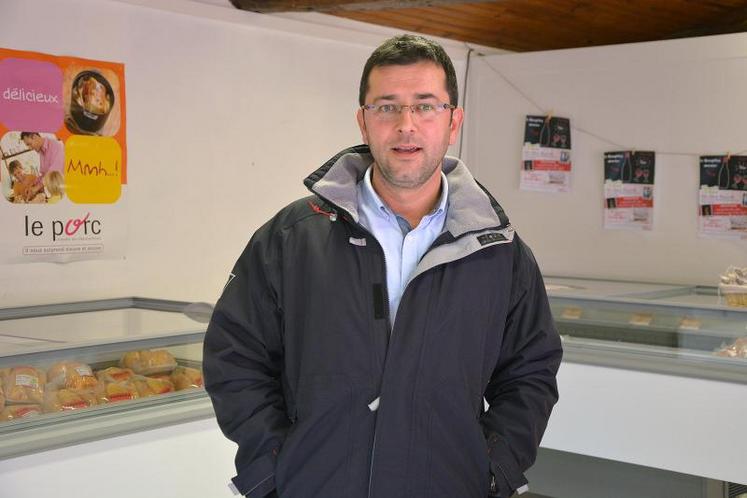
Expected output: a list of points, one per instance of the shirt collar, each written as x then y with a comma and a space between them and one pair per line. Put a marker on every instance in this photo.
371, 197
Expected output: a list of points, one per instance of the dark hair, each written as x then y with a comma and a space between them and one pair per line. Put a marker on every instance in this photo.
28, 134
13, 165
403, 50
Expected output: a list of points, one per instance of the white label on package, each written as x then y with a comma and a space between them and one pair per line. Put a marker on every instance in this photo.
27, 380
84, 370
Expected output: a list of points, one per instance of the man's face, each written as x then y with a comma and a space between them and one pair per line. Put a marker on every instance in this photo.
407, 150
33, 142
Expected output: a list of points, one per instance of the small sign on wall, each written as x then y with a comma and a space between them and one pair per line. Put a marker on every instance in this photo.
722, 198
629, 189
546, 155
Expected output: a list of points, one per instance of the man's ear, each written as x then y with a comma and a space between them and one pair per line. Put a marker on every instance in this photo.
362, 125
457, 117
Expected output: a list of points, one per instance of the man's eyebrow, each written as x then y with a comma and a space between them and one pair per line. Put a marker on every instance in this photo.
418, 96
385, 97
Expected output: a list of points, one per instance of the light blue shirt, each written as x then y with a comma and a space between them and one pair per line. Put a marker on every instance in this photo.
403, 245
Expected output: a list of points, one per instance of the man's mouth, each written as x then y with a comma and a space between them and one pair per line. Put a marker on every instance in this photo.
406, 149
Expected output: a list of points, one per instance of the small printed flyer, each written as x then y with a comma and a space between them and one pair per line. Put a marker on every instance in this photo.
546, 154
723, 197
629, 190
63, 166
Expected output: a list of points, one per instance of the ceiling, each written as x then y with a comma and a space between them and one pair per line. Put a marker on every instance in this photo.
530, 25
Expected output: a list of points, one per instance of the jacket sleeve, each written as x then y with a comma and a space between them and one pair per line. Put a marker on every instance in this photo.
522, 389
242, 361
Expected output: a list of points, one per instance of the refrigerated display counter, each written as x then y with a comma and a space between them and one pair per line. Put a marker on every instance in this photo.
652, 389
653, 375
670, 329
77, 372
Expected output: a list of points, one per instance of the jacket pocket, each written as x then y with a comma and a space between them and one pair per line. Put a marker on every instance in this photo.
258, 479
314, 459
458, 463
503, 466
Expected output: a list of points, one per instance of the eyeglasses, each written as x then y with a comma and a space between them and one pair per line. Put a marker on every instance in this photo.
391, 112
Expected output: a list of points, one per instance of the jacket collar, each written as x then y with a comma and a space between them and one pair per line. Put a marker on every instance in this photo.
471, 207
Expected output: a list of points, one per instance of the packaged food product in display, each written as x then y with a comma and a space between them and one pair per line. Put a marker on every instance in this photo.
58, 400
72, 375
148, 362
24, 385
161, 376
14, 412
114, 374
733, 286
738, 349
186, 378
114, 392
148, 386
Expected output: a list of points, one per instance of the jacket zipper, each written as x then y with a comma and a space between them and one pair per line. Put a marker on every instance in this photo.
390, 330
348, 218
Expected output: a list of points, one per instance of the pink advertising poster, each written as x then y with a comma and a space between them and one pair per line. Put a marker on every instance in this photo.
63, 158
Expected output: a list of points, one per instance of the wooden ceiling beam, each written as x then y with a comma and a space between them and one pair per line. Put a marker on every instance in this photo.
269, 6
734, 21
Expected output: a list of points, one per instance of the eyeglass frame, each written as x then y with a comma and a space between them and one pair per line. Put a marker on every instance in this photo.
411, 107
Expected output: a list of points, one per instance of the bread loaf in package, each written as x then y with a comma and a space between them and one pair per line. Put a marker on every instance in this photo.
58, 400
738, 349
24, 385
148, 362
114, 374
114, 392
14, 412
148, 386
71, 375
186, 378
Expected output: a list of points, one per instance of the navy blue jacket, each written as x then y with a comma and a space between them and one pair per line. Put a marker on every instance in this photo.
326, 400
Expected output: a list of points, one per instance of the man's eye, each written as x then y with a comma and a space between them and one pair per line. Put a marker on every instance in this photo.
425, 107
387, 108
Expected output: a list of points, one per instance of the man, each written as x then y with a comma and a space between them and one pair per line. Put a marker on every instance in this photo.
51, 155
362, 326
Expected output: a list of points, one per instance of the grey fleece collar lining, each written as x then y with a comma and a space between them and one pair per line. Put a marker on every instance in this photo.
469, 207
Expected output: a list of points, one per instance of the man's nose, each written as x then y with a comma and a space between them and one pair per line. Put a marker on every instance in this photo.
406, 122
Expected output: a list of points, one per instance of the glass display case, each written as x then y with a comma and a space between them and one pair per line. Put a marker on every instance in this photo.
672, 329
77, 372
49, 354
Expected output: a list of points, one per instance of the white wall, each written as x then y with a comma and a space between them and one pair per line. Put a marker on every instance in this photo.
665, 422
675, 96
227, 112
190, 460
